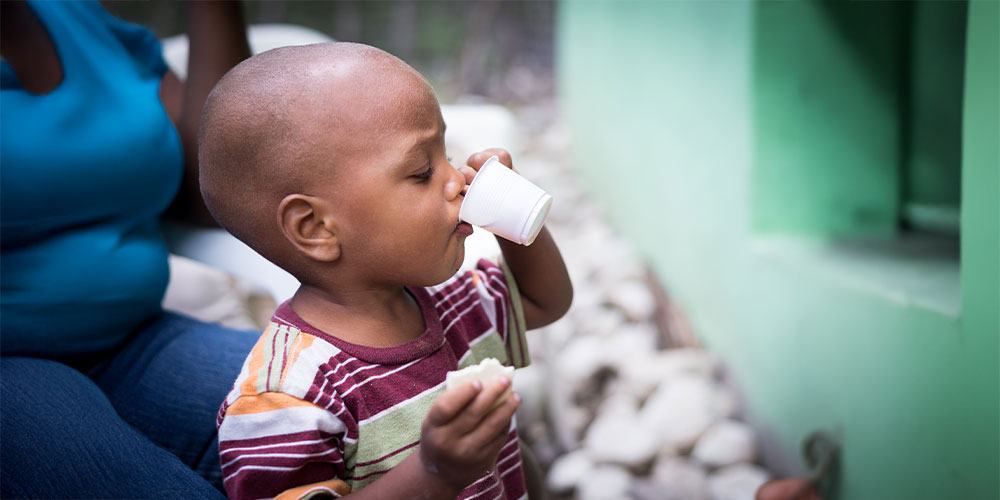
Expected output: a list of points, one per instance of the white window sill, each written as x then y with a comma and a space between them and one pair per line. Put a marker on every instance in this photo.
913, 270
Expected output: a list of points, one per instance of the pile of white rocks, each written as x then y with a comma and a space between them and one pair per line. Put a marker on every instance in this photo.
608, 410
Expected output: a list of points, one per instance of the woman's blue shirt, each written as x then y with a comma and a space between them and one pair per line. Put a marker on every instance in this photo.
86, 170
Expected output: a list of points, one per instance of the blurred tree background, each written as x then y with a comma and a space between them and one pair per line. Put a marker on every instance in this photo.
499, 50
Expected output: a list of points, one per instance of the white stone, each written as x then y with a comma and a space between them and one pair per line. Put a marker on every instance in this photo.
474, 127
736, 482
618, 436
631, 342
221, 250
568, 422
645, 489
537, 350
678, 479
600, 322
529, 384
680, 411
646, 373
262, 37
726, 402
626, 268
569, 470
640, 376
606, 482
586, 298
633, 298
597, 237
554, 337
206, 293
726, 442
563, 379
579, 359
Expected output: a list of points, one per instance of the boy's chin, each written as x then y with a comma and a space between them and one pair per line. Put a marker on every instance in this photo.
446, 273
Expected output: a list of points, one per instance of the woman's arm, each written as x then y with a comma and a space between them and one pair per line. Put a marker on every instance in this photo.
217, 35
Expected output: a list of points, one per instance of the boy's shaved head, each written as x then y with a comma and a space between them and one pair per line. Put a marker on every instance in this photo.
285, 120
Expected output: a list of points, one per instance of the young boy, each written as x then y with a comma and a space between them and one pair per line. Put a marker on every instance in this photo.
329, 160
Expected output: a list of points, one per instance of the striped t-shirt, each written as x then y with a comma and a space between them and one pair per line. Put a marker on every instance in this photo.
309, 408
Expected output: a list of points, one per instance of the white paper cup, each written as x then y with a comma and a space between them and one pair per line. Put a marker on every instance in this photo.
505, 204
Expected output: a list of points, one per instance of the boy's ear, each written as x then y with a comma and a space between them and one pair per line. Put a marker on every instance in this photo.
309, 227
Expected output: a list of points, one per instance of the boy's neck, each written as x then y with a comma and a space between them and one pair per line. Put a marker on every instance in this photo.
372, 317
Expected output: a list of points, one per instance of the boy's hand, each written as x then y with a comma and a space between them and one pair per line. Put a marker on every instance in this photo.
538, 269
465, 430
476, 161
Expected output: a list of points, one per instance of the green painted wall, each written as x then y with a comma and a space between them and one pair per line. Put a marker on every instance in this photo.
827, 140
934, 147
888, 340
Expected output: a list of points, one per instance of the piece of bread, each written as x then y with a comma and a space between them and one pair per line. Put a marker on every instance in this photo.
485, 372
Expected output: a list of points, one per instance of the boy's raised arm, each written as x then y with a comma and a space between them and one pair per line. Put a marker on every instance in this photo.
546, 291
542, 279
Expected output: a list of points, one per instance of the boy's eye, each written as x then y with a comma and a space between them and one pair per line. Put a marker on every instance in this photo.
426, 174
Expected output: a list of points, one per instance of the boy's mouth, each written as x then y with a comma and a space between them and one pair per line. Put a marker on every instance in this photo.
463, 228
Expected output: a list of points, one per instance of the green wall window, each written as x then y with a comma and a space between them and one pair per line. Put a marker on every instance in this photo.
857, 117
932, 120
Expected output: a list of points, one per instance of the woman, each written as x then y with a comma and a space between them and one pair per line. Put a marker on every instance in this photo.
104, 394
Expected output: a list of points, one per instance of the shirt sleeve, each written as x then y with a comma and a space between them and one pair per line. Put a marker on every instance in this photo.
499, 294
273, 444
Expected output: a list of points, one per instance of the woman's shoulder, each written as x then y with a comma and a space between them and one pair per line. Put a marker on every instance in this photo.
94, 30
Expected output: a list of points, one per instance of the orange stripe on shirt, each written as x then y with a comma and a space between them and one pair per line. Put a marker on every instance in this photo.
302, 342
268, 401
335, 487
256, 361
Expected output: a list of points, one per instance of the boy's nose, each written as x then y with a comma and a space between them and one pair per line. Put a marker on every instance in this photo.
453, 186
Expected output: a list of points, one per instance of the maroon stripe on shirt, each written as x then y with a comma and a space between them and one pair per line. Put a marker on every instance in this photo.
375, 395
331, 456
276, 439
471, 326
331, 451
265, 483
407, 447
511, 484
270, 362
491, 486
366, 476
451, 289
458, 310
497, 284
328, 453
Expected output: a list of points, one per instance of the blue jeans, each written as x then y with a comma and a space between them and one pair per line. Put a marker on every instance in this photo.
138, 422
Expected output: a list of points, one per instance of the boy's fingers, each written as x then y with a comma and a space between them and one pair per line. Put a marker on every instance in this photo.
476, 160
473, 414
497, 443
487, 399
469, 173
496, 425
451, 403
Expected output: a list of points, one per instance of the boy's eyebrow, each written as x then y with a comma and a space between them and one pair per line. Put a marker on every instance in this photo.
420, 144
